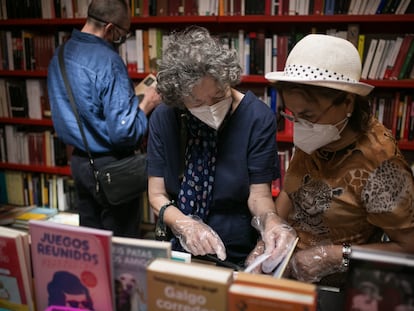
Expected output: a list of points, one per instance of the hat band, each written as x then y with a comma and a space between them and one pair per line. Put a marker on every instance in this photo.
314, 73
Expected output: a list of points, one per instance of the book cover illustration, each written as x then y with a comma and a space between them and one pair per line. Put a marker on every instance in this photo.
15, 275
72, 266
379, 280
130, 258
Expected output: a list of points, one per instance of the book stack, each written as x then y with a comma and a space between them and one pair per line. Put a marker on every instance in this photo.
16, 291
265, 293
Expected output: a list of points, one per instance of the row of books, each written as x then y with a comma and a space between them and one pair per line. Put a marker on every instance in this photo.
261, 51
145, 8
21, 98
388, 57
20, 144
383, 57
28, 50
44, 9
37, 189
97, 271
101, 272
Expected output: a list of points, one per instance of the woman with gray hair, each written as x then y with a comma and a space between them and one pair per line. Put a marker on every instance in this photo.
230, 156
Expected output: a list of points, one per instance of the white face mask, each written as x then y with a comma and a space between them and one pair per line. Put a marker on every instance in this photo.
309, 136
213, 115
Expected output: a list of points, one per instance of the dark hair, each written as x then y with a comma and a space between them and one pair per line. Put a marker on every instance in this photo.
111, 11
362, 110
66, 282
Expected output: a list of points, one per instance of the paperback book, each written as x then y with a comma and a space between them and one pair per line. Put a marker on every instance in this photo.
187, 286
379, 280
16, 292
72, 266
130, 258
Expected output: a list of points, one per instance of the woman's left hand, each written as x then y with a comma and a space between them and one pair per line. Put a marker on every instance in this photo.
256, 252
311, 265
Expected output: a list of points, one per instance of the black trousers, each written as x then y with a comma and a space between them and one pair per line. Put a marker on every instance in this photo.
123, 220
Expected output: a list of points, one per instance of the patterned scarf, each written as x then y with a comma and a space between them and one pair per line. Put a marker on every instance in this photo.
200, 165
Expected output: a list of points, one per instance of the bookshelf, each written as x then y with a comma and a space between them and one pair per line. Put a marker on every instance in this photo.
220, 24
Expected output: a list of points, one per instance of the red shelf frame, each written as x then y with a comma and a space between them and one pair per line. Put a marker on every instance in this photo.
195, 19
26, 121
58, 170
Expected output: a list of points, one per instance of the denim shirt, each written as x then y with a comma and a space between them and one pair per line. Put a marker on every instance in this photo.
104, 95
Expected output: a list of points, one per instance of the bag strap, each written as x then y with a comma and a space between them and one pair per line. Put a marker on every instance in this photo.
75, 110
182, 120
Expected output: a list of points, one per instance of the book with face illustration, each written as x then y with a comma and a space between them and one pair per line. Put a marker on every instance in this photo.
72, 266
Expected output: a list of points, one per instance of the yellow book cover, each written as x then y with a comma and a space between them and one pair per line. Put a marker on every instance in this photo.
175, 285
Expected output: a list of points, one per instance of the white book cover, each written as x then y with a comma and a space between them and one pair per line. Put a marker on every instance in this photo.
140, 51
268, 55
368, 59
376, 60
389, 46
34, 91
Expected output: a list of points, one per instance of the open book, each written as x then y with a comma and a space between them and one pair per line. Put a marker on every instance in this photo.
281, 267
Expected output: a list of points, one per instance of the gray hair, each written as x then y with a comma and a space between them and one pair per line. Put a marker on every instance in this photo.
191, 55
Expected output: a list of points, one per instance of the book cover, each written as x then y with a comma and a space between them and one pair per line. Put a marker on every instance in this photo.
149, 81
261, 298
16, 292
264, 292
130, 259
38, 213
368, 58
71, 266
187, 286
379, 280
8, 212
372, 74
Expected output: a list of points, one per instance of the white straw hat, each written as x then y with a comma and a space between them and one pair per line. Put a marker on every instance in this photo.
324, 60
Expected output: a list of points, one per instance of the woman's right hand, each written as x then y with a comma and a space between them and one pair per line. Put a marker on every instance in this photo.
198, 238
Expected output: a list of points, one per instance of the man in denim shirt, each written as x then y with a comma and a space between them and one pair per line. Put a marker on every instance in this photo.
113, 118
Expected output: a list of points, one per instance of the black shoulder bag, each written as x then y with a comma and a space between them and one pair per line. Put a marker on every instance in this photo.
120, 181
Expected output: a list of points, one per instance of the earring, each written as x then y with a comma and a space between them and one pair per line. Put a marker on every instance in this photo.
348, 115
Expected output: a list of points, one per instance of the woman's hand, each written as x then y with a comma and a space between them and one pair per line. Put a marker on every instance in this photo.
256, 252
278, 237
311, 265
198, 238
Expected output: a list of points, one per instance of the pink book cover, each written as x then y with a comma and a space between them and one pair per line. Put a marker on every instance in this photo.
14, 275
72, 266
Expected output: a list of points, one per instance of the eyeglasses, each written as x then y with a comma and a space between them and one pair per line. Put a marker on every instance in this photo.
121, 39
77, 304
304, 122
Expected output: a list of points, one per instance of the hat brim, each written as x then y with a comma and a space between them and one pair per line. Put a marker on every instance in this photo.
359, 88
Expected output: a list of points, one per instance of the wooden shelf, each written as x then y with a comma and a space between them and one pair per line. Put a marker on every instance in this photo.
253, 79
195, 19
59, 170
26, 121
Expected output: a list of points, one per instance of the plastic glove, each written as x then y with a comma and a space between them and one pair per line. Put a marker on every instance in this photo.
198, 238
277, 235
256, 252
311, 265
